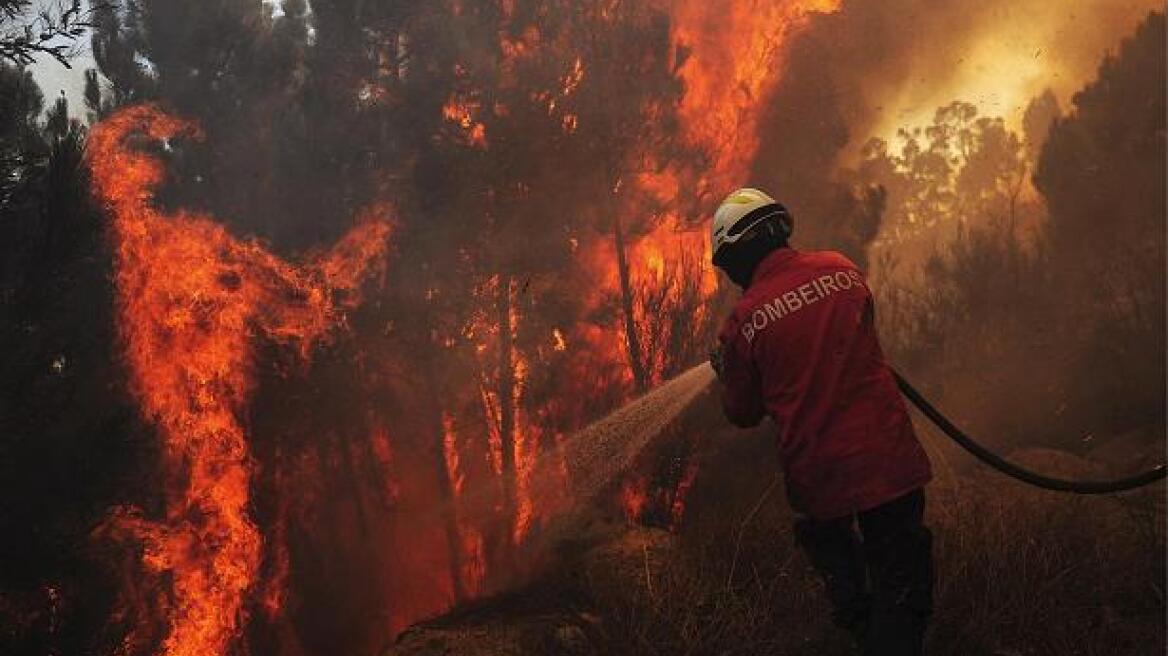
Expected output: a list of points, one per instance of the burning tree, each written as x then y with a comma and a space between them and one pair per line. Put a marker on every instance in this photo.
190, 297
628, 107
454, 110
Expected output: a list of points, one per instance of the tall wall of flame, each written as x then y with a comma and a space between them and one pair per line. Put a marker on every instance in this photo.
192, 300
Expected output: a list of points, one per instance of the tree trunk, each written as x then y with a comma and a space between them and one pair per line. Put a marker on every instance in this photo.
632, 340
506, 395
353, 483
448, 503
447, 499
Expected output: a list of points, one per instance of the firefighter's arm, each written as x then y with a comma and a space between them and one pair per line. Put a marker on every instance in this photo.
741, 387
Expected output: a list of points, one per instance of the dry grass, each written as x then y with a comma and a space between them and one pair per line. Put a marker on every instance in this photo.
1019, 571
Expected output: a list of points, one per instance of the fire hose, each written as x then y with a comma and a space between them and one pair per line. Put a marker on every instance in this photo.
1015, 471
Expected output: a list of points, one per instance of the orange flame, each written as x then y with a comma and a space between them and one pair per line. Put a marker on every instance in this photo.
681, 493
382, 450
726, 89
634, 497
463, 113
190, 300
726, 85
471, 555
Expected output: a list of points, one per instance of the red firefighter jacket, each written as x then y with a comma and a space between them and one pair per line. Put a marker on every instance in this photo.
801, 346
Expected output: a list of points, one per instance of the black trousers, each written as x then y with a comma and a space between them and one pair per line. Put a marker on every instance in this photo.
878, 569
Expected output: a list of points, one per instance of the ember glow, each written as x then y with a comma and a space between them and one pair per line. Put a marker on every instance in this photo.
193, 300
463, 113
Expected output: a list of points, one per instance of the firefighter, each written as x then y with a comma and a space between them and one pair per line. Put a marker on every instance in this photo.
800, 347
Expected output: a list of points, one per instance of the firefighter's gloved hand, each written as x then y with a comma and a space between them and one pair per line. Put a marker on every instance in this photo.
718, 361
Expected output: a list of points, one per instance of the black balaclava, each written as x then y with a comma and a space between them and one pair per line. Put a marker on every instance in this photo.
742, 258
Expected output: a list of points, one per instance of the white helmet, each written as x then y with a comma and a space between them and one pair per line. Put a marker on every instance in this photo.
742, 210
